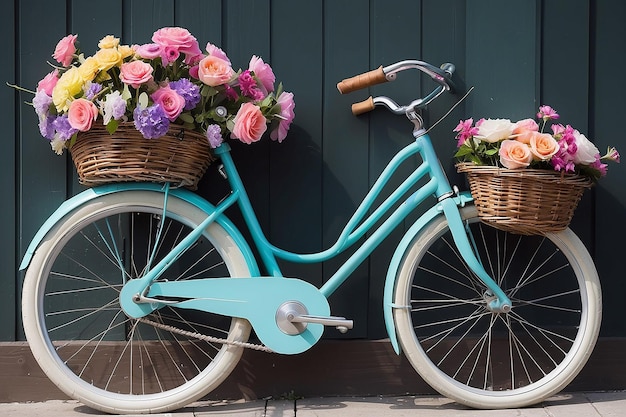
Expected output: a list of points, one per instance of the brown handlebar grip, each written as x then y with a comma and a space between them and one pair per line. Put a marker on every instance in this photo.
363, 106
357, 82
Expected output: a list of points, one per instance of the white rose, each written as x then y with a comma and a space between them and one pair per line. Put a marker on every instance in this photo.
495, 130
586, 152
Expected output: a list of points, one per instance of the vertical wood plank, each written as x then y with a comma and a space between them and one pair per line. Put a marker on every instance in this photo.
501, 58
345, 145
295, 189
565, 82
608, 108
396, 34
246, 32
203, 18
8, 158
143, 17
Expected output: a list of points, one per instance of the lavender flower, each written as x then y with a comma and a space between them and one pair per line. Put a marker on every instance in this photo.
151, 121
63, 129
41, 103
187, 90
214, 135
46, 127
92, 90
114, 107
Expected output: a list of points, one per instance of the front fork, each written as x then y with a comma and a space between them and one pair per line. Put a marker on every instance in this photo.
497, 300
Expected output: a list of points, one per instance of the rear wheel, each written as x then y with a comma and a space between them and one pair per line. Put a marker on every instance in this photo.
81, 337
486, 359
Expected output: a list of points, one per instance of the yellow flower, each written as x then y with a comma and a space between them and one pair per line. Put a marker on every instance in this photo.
70, 84
89, 69
108, 42
126, 51
108, 58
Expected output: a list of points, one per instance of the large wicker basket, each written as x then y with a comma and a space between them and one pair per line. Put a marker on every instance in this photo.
179, 157
528, 201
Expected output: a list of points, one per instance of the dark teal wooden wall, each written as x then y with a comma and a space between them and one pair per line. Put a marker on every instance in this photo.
517, 54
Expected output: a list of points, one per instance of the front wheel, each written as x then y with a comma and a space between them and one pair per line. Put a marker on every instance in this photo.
486, 359
81, 337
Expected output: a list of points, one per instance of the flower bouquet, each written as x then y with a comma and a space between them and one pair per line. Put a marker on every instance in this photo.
166, 102
523, 179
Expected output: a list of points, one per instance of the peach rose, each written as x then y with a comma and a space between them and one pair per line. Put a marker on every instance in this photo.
515, 154
250, 124
524, 130
214, 71
81, 114
543, 146
136, 73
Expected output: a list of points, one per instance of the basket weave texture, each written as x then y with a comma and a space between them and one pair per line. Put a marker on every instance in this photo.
179, 157
527, 201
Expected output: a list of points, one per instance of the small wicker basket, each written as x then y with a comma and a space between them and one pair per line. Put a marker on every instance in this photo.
180, 157
528, 201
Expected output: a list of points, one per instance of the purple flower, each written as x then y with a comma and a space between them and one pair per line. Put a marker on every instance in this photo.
114, 107
46, 127
41, 103
151, 121
187, 90
214, 135
92, 90
63, 129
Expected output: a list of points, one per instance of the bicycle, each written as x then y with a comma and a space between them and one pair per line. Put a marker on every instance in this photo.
159, 282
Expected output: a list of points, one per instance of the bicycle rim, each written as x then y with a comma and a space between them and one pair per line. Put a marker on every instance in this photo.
497, 360
80, 335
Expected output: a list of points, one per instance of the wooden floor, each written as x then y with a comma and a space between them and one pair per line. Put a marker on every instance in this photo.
332, 368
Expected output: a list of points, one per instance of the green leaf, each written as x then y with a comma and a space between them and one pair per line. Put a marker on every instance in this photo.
126, 95
186, 117
112, 126
143, 100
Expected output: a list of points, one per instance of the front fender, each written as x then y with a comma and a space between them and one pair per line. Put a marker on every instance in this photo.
396, 260
92, 193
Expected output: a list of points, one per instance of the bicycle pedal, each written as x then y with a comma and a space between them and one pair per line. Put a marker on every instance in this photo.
292, 318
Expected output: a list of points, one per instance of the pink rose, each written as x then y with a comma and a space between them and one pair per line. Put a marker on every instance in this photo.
286, 115
215, 51
81, 114
177, 38
250, 124
214, 71
515, 154
543, 146
65, 49
171, 102
148, 51
263, 72
136, 73
48, 82
524, 130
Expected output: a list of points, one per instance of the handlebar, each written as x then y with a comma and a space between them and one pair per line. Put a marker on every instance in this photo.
441, 76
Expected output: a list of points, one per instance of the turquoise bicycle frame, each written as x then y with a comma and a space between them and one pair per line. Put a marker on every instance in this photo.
257, 299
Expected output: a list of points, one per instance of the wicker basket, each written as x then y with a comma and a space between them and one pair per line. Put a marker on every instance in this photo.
180, 157
528, 201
